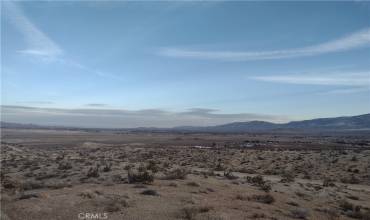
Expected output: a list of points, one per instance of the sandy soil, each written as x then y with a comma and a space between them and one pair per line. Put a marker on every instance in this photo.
102, 175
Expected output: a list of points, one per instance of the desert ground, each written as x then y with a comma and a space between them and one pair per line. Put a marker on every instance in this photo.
64, 174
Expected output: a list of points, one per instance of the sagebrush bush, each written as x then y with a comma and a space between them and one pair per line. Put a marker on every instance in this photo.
142, 176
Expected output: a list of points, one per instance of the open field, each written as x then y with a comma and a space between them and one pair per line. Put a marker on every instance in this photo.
49, 174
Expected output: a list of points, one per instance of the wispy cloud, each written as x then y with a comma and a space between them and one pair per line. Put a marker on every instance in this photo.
38, 43
358, 79
348, 91
96, 105
83, 67
121, 118
351, 41
37, 102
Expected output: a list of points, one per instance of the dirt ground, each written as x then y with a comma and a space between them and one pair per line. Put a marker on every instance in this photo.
49, 174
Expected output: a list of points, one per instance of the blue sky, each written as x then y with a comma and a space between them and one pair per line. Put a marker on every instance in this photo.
127, 64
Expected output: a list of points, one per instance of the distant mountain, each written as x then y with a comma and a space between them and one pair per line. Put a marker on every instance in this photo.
354, 122
232, 127
18, 125
360, 122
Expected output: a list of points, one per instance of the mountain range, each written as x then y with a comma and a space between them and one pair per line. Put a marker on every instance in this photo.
348, 123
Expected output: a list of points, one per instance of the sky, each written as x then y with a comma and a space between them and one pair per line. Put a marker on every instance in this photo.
165, 64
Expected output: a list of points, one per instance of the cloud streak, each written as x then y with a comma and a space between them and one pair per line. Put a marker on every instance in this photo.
120, 118
352, 41
357, 79
38, 43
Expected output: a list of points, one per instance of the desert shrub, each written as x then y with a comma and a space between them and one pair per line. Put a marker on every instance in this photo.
259, 182
366, 215
128, 167
219, 167
42, 176
351, 180
87, 194
352, 197
152, 166
64, 166
112, 207
241, 197
345, 205
331, 214
140, 177
93, 172
229, 175
257, 215
113, 204
178, 173
265, 187
116, 178
300, 213
246, 170
328, 182
150, 192
287, 177
27, 196
353, 211
139, 186
8, 183
191, 211
255, 180
172, 184
58, 185
266, 198
30, 184
292, 203
107, 167
195, 184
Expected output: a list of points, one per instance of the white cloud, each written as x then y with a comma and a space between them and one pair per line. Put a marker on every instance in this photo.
334, 79
351, 41
38, 43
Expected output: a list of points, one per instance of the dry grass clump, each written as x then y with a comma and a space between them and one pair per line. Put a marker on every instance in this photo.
178, 173
266, 198
190, 212
300, 213
88, 194
114, 204
58, 185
